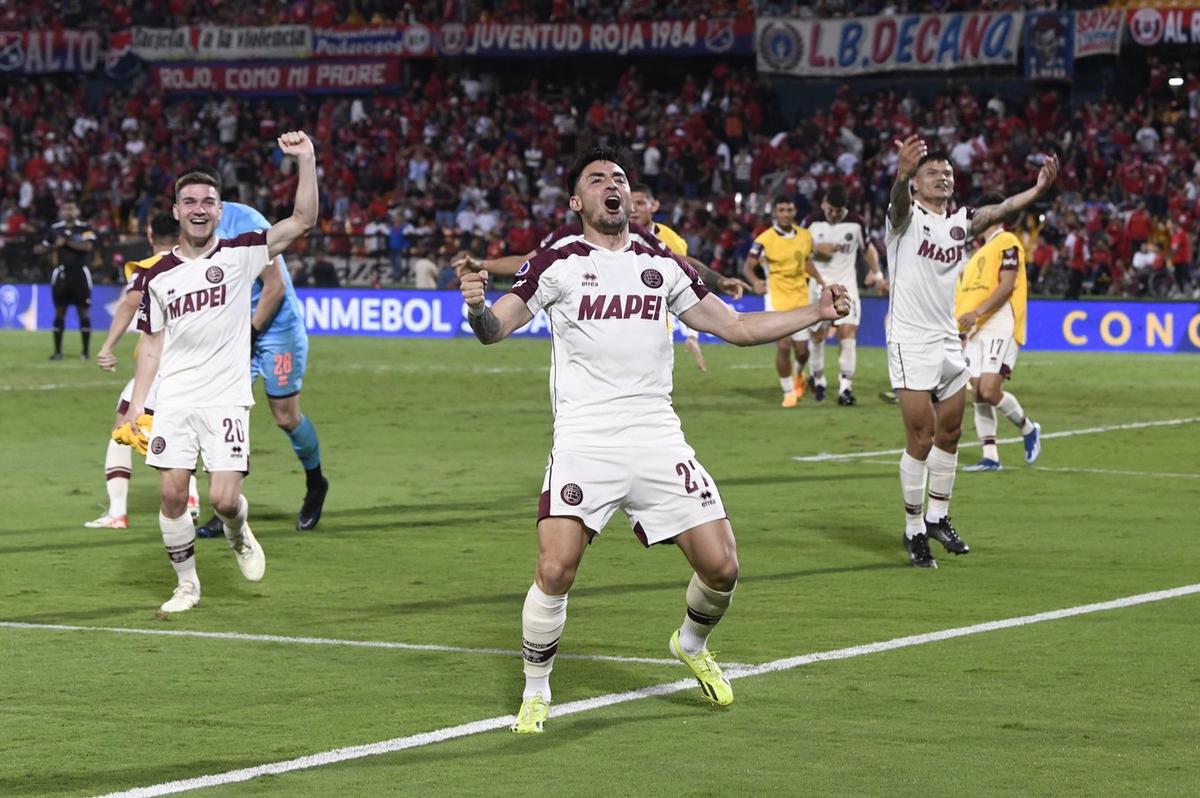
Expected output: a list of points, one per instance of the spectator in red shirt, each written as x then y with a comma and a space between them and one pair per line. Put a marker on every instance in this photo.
1139, 226
1181, 254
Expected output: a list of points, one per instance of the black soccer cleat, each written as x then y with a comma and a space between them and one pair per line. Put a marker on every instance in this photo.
846, 398
212, 528
946, 535
918, 551
56, 356
819, 393
310, 511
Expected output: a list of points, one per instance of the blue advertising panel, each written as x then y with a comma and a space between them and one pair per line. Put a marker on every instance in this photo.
1054, 325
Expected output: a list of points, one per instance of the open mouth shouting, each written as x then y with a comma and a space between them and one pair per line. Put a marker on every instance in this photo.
612, 203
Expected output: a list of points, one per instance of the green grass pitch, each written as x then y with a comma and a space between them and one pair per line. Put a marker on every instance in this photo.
436, 450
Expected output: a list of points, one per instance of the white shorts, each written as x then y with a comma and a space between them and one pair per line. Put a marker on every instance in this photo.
127, 397
220, 435
991, 354
803, 335
938, 366
663, 491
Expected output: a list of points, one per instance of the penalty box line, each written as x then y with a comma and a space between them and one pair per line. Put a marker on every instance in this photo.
328, 641
825, 457
587, 705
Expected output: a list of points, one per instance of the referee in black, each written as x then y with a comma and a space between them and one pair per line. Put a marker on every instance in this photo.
70, 242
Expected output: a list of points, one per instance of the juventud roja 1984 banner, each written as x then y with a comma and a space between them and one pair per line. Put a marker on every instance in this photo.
855, 46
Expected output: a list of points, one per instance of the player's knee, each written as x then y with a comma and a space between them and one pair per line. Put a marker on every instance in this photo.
554, 576
288, 419
224, 502
723, 576
990, 393
174, 501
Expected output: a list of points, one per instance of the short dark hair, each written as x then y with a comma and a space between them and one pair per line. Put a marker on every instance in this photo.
837, 196
199, 175
600, 152
164, 227
935, 155
780, 199
641, 188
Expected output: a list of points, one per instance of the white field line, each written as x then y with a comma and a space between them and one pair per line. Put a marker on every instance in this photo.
1115, 472
324, 641
825, 457
599, 702
58, 386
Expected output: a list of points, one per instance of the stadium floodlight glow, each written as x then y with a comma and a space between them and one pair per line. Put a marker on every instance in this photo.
1176, 81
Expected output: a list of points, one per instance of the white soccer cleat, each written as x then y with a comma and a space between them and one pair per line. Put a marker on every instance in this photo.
107, 521
193, 507
251, 559
186, 596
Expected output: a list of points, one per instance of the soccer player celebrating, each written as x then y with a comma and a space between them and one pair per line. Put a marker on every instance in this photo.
785, 252
925, 241
617, 442
118, 461
195, 314
990, 305
838, 236
279, 352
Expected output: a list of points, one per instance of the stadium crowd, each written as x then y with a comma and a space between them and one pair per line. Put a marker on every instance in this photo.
453, 163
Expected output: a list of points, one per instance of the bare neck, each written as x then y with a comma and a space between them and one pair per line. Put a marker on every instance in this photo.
610, 241
190, 248
935, 204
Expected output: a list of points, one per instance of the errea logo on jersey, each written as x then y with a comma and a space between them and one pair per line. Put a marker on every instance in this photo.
590, 280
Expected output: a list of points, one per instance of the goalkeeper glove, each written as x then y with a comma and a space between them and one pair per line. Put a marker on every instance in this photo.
140, 440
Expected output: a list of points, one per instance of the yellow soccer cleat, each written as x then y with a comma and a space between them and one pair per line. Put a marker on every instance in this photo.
713, 683
531, 715
790, 399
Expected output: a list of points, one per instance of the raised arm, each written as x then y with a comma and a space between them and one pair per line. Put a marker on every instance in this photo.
122, 317
506, 266
912, 150
990, 215
711, 315
304, 209
501, 319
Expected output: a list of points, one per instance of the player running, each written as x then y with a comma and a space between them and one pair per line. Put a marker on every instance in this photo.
785, 253
195, 314
118, 461
279, 352
838, 236
925, 241
617, 442
990, 305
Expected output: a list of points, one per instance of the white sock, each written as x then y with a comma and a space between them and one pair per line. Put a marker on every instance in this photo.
179, 538
942, 467
234, 523
985, 428
542, 621
118, 468
816, 360
786, 384
1012, 410
705, 608
912, 485
847, 360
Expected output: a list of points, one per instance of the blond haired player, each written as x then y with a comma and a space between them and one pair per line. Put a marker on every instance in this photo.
990, 305
926, 237
618, 444
118, 460
195, 314
785, 253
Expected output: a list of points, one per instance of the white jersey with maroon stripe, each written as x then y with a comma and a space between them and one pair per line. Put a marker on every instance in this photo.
573, 231
848, 237
610, 367
925, 256
203, 307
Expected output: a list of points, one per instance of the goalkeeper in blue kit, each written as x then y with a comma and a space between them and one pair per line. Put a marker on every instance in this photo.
279, 352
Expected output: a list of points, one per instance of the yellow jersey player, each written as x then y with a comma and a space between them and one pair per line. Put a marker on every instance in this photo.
785, 253
118, 461
990, 305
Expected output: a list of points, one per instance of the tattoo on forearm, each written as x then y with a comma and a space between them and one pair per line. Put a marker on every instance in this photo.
486, 326
901, 200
